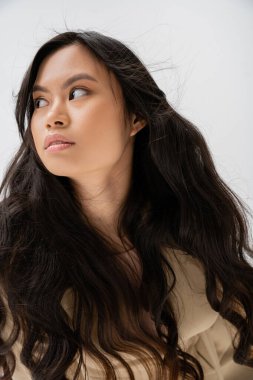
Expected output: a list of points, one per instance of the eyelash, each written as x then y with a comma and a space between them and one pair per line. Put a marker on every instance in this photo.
78, 88
36, 100
70, 93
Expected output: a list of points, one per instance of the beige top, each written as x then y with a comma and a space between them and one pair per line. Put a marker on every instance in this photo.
203, 332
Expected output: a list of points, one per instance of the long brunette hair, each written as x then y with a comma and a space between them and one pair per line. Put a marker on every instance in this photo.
176, 200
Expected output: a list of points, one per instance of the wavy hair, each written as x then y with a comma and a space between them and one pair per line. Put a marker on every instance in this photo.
176, 200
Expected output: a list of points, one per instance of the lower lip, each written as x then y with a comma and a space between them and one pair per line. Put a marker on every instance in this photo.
58, 147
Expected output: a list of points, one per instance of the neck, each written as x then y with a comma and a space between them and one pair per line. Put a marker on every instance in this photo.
102, 197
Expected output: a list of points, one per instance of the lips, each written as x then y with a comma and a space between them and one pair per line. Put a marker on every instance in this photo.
56, 139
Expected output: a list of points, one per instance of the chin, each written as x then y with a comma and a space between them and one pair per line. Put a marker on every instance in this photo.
60, 172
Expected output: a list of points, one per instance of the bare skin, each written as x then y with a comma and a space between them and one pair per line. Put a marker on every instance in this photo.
89, 113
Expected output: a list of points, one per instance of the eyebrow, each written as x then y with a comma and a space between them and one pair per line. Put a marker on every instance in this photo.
67, 83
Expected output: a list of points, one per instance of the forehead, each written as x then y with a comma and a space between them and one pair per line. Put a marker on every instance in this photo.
71, 60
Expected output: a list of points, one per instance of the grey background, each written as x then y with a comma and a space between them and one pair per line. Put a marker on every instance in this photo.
204, 50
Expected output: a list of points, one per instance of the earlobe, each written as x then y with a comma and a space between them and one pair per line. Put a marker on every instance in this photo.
137, 124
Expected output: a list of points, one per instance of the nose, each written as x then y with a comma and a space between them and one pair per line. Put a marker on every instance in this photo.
55, 123
57, 117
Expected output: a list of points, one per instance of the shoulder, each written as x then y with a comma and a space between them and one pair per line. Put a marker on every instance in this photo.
188, 270
185, 267
193, 312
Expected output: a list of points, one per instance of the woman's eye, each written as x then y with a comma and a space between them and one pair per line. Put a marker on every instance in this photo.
39, 102
77, 93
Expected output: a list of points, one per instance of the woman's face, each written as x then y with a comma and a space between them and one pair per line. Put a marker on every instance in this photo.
75, 97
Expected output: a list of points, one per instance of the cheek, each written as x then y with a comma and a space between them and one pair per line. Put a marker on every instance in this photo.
106, 133
36, 136
103, 121
102, 137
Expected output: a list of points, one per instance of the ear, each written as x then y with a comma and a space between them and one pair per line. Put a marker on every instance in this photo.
137, 124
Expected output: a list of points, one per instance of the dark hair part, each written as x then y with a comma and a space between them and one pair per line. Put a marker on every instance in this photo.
176, 200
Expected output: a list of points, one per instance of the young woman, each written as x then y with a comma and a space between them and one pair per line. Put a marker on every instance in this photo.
123, 253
